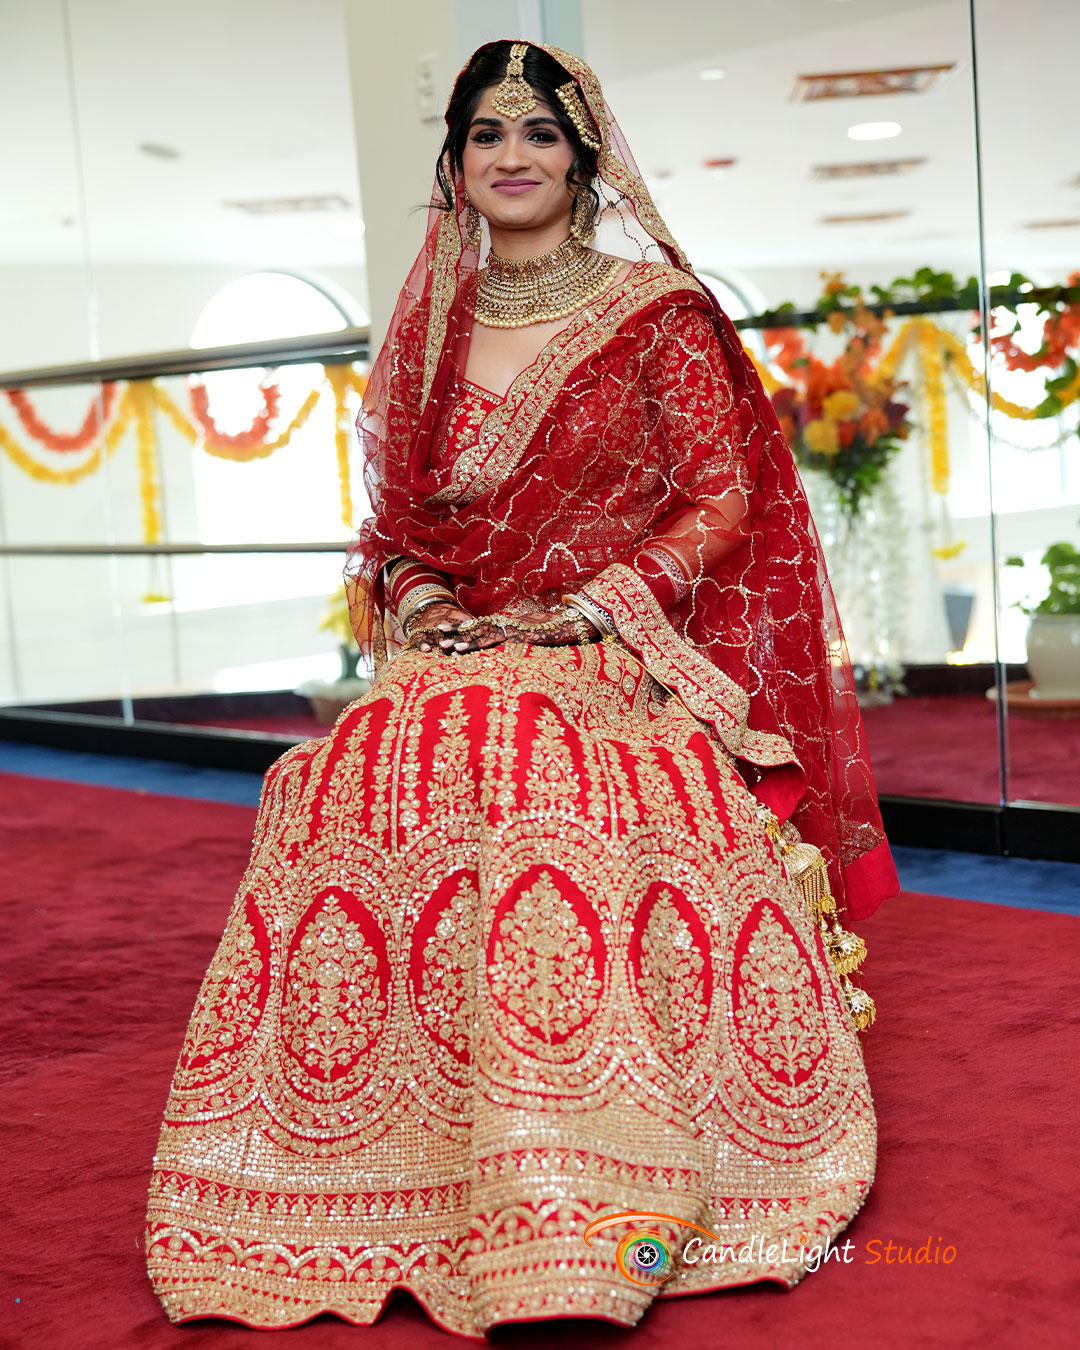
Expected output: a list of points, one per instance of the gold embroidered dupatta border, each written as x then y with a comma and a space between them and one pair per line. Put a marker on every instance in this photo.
710, 694
508, 430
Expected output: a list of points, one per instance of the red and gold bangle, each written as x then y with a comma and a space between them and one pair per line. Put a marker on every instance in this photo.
412, 586
421, 598
597, 615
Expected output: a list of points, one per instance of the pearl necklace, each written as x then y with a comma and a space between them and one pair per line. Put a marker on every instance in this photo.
517, 292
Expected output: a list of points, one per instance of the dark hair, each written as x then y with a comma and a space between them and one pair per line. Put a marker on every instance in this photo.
545, 75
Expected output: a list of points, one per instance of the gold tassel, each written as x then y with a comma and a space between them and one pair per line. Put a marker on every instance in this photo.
808, 870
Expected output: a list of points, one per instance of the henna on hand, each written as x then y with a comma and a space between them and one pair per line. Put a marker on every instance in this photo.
571, 633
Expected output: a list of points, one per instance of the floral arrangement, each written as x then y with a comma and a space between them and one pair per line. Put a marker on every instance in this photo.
930, 291
842, 418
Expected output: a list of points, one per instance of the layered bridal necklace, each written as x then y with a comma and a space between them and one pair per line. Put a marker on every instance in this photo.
516, 292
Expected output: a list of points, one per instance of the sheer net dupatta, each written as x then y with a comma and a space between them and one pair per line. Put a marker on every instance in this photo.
753, 644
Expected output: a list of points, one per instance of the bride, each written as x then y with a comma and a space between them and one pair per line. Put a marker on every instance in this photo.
546, 931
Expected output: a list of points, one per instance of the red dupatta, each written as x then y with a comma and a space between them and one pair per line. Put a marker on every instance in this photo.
645, 403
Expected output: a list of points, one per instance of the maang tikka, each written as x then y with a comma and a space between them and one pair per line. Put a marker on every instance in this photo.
514, 97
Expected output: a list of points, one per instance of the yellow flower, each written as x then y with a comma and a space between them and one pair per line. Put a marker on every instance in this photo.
820, 435
834, 281
841, 405
336, 618
947, 551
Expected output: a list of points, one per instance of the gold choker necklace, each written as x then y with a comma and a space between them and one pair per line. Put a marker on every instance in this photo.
516, 292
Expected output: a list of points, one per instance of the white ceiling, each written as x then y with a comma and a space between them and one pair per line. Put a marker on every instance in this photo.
255, 95
766, 211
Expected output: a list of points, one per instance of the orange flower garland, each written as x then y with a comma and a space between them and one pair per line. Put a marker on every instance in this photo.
1061, 331
65, 442
243, 440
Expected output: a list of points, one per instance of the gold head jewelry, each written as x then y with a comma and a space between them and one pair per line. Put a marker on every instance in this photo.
514, 97
577, 113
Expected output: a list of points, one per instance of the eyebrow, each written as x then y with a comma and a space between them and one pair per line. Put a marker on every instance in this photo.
498, 122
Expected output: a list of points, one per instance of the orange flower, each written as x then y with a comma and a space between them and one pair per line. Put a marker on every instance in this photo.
838, 320
872, 424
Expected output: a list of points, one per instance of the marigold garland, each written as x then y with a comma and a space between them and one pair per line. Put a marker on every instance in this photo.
146, 456
255, 435
341, 379
99, 412
43, 473
937, 427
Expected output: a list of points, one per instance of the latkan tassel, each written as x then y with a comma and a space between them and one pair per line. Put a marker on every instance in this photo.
847, 950
807, 868
860, 1004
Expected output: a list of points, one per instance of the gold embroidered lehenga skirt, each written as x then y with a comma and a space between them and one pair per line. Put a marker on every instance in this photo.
513, 952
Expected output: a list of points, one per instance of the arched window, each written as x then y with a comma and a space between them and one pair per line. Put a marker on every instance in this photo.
293, 493
290, 495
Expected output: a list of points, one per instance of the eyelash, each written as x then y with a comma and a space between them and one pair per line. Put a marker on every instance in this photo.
550, 138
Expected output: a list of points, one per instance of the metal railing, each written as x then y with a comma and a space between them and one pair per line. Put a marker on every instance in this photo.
348, 344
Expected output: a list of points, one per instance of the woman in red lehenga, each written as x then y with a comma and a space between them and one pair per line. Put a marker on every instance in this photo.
544, 931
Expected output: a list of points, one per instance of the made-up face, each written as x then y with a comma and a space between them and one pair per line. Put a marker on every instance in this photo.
515, 171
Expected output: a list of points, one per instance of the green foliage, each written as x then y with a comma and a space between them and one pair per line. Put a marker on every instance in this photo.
1063, 596
855, 471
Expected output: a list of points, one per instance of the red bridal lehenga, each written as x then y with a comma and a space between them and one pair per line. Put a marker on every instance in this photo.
541, 935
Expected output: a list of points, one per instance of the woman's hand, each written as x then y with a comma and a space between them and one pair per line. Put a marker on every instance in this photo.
574, 629
446, 617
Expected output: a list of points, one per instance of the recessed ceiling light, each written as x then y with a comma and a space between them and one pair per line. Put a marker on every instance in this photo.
711, 73
874, 131
158, 151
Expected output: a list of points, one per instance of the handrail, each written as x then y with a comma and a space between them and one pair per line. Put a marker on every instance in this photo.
152, 550
809, 318
348, 344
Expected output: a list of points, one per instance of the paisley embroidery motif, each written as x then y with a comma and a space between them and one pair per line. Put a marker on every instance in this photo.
334, 1000
230, 1001
778, 1007
448, 972
543, 969
671, 975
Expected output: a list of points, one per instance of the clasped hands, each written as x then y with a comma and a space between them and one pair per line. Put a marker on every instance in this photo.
452, 631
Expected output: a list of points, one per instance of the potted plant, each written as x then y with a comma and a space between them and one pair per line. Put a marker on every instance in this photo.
1053, 641
329, 698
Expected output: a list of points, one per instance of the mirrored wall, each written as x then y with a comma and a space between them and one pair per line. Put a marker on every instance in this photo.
855, 178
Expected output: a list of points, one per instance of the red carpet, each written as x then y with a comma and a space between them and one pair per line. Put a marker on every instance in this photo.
115, 903
947, 747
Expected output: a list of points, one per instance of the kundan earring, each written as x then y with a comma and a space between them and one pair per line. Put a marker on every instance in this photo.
581, 227
472, 225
